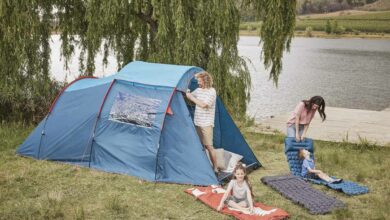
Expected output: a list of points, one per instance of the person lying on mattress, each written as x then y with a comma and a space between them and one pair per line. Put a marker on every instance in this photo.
241, 196
309, 171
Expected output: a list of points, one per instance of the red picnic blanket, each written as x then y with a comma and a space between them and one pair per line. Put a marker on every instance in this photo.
212, 195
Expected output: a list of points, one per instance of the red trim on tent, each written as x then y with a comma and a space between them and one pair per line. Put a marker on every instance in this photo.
105, 97
169, 107
63, 90
162, 127
169, 110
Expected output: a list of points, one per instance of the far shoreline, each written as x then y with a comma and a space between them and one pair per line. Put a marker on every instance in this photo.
322, 34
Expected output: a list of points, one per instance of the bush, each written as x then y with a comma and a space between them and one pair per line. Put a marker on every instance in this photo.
308, 31
339, 30
251, 27
328, 27
355, 32
27, 101
334, 27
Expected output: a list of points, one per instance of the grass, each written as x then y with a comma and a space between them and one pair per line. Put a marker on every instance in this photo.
32, 189
375, 26
372, 22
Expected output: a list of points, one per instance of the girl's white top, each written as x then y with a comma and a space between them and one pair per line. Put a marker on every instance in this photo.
239, 191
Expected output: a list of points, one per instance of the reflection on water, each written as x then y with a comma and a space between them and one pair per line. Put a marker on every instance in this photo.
349, 73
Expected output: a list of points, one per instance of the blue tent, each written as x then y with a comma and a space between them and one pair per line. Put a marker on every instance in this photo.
135, 122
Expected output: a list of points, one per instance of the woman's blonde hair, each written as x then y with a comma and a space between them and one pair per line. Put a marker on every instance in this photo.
206, 77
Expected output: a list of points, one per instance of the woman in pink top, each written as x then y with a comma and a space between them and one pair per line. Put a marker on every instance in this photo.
304, 112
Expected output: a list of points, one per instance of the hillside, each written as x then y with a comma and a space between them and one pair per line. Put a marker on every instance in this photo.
327, 6
381, 5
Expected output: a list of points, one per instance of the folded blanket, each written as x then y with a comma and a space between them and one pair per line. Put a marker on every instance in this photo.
302, 193
212, 196
295, 164
256, 211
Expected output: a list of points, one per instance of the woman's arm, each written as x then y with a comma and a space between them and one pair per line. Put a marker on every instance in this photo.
196, 101
225, 195
304, 131
297, 137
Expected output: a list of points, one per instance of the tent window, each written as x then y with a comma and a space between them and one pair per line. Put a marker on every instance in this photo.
136, 110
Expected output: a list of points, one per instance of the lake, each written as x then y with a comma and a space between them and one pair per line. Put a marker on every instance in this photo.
348, 73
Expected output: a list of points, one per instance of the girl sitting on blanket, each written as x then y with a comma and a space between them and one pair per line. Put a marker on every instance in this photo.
241, 197
309, 171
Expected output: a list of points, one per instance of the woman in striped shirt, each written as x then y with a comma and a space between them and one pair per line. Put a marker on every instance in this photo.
204, 98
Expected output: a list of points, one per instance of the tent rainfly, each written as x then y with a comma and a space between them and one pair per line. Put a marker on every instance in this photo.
135, 122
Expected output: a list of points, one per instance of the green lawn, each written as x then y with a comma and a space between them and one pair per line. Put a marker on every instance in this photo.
32, 189
375, 26
369, 22
383, 15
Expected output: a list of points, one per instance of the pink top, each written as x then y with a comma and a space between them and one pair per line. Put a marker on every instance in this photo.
305, 116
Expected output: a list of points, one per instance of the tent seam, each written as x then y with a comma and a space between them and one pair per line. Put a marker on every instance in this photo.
162, 127
90, 143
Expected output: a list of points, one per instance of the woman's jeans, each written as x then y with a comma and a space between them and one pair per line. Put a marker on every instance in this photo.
291, 130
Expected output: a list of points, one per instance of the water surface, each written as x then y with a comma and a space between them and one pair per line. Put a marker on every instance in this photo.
348, 73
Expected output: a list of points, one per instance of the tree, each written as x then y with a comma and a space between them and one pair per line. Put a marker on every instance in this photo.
26, 89
202, 33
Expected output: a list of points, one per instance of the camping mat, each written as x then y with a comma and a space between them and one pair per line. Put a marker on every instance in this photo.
347, 187
302, 193
295, 165
212, 195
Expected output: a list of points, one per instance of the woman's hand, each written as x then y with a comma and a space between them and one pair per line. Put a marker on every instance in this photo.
219, 208
189, 96
297, 138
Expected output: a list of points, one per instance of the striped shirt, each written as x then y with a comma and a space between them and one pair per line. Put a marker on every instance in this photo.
205, 116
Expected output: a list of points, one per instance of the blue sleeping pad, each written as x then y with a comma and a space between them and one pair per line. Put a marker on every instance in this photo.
291, 149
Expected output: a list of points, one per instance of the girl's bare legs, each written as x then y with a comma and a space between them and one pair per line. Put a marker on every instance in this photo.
324, 176
240, 206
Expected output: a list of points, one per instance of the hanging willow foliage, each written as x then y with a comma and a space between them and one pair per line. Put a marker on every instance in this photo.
277, 30
202, 33
26, 89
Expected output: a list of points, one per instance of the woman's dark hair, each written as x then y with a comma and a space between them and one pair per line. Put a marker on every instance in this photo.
318, 100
